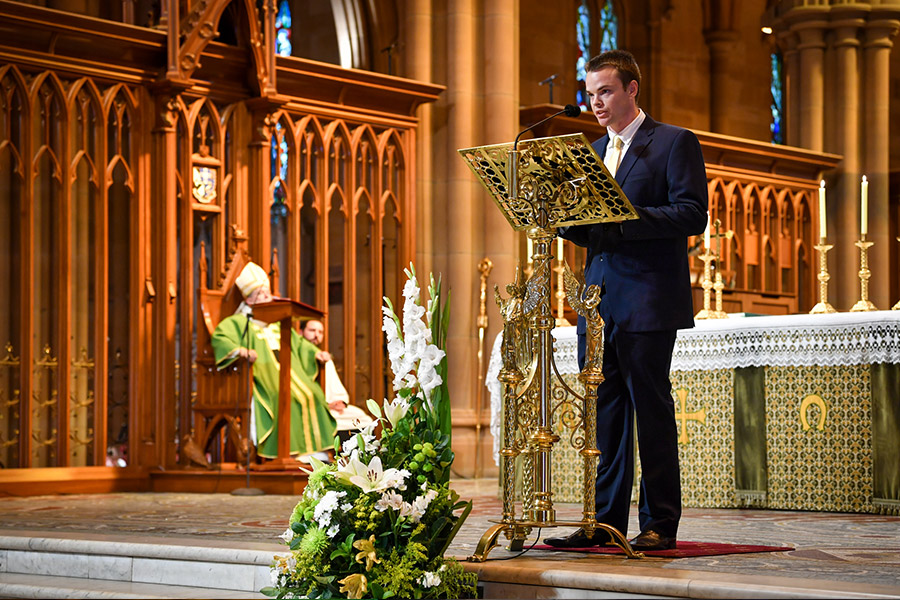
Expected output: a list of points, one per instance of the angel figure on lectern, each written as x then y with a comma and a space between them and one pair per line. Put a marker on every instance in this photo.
585, 302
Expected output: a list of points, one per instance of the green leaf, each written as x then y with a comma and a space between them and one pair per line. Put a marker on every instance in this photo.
269, 591
459, 522
377, 590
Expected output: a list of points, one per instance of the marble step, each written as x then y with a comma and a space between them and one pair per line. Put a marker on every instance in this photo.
81, 563
16, 585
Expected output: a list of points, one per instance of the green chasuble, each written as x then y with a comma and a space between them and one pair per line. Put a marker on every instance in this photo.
312, 426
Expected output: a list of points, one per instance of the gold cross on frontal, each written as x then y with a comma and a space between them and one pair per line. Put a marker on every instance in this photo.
685, 416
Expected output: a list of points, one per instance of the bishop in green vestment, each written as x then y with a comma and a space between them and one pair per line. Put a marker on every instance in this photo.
240, 336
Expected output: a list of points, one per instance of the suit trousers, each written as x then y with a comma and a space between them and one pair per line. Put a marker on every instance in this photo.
637, 390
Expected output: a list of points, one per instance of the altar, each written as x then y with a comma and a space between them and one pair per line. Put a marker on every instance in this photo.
798, 412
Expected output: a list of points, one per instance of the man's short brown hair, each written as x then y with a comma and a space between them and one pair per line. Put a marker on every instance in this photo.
623, 61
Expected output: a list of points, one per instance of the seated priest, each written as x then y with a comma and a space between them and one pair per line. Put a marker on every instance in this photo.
349, 417
241, 336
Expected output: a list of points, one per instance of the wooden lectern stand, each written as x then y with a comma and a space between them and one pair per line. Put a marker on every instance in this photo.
284, 310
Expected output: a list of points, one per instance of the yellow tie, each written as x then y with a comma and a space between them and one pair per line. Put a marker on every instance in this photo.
614, 156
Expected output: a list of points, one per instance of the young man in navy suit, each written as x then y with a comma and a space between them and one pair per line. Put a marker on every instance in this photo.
642, 268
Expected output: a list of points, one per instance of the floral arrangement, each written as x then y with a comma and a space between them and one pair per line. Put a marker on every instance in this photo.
376, 523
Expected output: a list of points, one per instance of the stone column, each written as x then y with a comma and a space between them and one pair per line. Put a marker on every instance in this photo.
501, 124
843, 210
811, 48
880, 30
791, 113
723, 92
419, 23
462, 218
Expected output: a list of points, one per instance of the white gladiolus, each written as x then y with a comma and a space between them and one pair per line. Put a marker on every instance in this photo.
413, 356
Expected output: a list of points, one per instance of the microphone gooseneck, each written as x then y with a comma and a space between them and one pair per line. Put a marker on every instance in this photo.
570, 111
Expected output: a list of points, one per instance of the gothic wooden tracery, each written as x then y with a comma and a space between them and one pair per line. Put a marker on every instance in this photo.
125, 186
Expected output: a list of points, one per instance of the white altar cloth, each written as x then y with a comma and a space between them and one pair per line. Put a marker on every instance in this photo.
848, 338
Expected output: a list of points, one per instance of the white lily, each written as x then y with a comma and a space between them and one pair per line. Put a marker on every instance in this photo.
376, 479
395, 410
349, 467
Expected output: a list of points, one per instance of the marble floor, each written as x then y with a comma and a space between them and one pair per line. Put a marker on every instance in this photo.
834, 555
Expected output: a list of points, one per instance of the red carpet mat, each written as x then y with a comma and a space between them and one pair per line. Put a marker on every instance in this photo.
682, 550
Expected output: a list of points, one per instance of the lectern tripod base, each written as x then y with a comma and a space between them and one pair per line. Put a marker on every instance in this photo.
518, 531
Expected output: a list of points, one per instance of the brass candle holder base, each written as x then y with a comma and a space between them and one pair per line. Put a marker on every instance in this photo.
863, 304
823, 307
707, 284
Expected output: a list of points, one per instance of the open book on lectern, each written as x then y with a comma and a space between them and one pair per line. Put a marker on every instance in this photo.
563, 170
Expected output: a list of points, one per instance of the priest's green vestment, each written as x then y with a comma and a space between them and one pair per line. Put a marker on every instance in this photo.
312, 426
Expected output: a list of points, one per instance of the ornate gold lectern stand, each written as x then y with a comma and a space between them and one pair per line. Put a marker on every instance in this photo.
541, 185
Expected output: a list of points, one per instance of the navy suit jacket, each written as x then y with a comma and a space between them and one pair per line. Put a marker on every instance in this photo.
643, 264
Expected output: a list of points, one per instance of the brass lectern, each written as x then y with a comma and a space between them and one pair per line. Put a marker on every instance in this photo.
542, 185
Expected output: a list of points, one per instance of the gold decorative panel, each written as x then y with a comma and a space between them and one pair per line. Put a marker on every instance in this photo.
546, 164
705, 447
813, 468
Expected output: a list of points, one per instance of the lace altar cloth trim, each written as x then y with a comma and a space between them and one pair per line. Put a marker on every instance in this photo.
782, 341
791, 340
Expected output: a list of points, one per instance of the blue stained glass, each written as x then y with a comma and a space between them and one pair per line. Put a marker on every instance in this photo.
279, 161
777, 88
609, 35
609, 28
583, 37
283, 29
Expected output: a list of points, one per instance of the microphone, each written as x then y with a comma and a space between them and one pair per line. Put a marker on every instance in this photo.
570, 111
549, 79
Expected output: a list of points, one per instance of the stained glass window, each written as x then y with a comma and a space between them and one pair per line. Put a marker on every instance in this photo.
279, 173
609, 28
777, 88
609, 35
583, 37
278, 210
283, 28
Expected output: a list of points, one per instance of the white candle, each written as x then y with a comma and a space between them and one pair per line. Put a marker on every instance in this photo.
823, 230
559, 249
864, 212
706, 233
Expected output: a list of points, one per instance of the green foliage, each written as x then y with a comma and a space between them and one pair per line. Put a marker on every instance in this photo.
377, 524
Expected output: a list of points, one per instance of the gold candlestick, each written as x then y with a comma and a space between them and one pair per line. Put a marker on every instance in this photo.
864, 304
896, 306
718, 286
707, 285
484, 268
823, 306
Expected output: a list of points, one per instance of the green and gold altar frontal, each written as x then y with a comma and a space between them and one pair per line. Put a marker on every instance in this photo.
797, 412
565, 170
